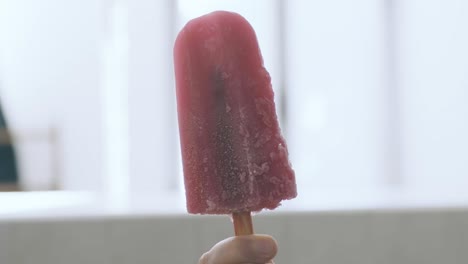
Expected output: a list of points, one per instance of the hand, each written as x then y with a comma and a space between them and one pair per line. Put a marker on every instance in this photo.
258, 249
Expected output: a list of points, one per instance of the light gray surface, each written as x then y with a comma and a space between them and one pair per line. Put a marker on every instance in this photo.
403, 237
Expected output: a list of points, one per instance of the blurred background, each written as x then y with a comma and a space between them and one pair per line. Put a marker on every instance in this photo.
371, 96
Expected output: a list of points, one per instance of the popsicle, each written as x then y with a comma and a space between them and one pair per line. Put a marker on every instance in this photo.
235, 159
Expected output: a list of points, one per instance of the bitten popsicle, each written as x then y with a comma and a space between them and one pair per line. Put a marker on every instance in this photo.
235, 160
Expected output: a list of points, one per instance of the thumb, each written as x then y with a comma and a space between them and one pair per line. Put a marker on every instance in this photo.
242, 249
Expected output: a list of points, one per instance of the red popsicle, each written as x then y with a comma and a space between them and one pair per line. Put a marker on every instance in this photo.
234, 157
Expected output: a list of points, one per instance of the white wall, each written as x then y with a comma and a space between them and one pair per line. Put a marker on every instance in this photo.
433, 67
153, 134
49, 77
100, 74
337, 112
377, 92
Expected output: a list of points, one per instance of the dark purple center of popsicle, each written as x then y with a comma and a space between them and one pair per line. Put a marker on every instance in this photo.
227, 166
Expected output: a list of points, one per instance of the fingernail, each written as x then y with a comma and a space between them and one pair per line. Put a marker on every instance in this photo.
265, 246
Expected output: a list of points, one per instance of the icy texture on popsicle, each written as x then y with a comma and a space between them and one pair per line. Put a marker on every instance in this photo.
234, 156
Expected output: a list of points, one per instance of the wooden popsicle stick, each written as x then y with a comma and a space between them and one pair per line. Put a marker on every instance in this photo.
242, 223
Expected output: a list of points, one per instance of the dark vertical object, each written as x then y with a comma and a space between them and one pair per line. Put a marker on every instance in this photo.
393, 130
8, 169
